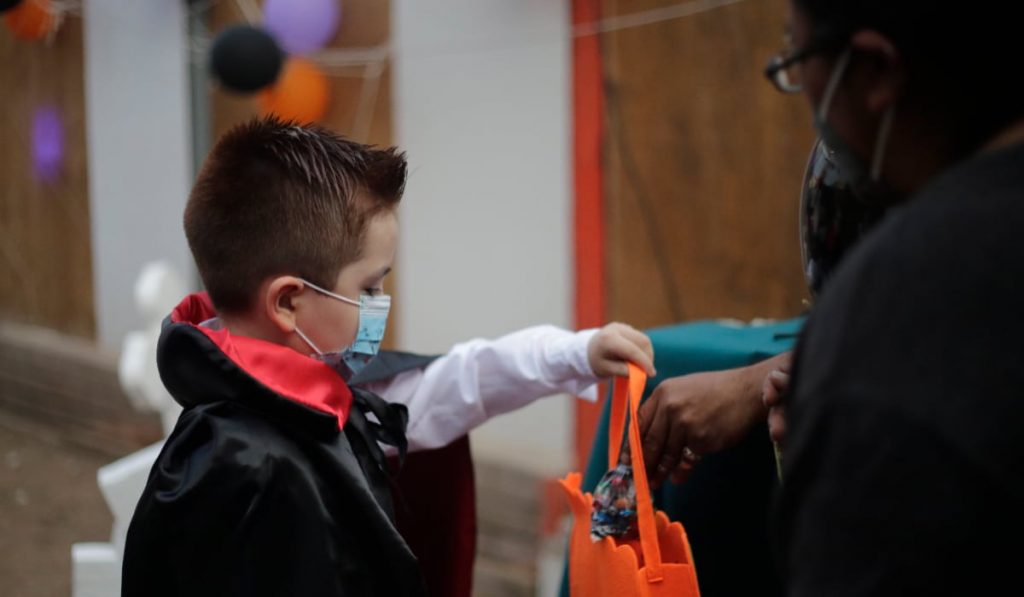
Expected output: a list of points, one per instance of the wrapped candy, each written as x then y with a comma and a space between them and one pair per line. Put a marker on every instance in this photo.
614, 505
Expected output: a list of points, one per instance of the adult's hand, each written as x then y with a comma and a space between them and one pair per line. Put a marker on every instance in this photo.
698, 414
773, 394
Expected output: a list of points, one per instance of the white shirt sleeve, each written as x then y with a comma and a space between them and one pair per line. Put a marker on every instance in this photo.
480, 379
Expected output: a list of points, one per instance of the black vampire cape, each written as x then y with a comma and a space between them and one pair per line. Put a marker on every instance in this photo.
272, 481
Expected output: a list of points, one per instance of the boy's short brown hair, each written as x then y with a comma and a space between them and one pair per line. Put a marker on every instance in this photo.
276, 198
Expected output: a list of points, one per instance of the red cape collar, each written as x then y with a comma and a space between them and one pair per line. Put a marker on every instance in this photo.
289, 374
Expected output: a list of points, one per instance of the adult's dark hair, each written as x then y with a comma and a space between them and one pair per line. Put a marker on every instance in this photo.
963, 58
276, 198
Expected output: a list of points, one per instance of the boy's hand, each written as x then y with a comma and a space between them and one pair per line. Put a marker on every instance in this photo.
615, 345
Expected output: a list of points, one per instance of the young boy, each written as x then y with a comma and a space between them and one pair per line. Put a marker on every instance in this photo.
273, 481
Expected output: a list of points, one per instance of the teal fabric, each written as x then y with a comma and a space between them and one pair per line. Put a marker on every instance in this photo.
724, 503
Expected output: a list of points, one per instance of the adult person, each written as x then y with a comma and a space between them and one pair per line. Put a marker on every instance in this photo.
903, 472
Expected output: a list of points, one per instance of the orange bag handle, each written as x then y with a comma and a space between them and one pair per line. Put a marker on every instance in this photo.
626, 393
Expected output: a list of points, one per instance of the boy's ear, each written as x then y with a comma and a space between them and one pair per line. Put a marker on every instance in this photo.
281, 301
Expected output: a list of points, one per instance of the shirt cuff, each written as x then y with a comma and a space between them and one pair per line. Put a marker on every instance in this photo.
567, 359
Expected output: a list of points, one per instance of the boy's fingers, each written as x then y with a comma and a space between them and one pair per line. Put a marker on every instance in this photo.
618, 368
644, 343
627, 350
639, 338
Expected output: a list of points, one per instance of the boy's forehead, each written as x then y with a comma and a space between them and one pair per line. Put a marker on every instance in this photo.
381, 235
377, 255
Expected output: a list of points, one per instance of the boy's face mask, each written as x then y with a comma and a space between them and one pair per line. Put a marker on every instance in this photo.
373, 318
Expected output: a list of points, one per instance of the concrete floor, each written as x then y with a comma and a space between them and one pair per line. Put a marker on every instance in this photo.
48, 500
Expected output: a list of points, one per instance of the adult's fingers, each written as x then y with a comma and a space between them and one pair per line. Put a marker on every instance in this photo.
682, 471
777, 424
654, 439
773, 387
648, 410
673, 452
685, 466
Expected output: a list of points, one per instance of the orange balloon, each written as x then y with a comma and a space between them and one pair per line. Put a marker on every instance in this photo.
301, 93
31, 20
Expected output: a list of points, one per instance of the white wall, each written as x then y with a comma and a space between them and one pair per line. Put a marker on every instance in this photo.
482, 93
138, 141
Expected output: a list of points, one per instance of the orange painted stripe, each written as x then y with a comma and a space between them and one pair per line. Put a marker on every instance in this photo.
588, 178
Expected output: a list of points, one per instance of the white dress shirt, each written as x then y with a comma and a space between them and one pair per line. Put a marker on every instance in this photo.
480, 379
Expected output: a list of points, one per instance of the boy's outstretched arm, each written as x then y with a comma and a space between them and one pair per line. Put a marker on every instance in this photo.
480, 379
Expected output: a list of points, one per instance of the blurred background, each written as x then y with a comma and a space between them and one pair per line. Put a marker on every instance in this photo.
572, 162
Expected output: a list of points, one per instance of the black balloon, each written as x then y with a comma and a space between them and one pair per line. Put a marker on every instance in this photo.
245, 59
6, 5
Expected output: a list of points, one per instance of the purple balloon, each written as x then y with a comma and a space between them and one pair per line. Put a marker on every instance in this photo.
47, 142
302, 26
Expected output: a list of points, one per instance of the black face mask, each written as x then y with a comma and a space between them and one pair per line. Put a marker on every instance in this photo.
863, 179
834, 215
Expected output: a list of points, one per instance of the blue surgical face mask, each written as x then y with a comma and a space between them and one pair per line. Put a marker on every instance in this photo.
373, 318
865, 182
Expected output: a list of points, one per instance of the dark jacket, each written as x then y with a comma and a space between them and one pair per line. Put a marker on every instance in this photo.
904, 462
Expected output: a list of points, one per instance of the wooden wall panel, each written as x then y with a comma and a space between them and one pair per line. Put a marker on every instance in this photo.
704, 160
45, 256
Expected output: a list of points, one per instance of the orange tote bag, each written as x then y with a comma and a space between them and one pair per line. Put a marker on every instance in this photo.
659, 562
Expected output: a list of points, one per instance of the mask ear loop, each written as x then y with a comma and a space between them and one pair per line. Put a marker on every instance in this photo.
308, 341
884, 129
329, 293
833, 84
